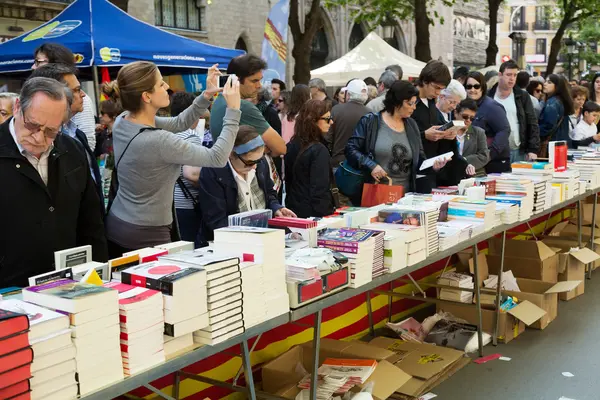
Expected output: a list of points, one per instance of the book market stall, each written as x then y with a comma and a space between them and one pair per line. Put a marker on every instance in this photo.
274, 307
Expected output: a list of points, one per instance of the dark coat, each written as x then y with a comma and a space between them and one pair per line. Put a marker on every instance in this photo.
361, 147
529, 131
37, 219
491, 117
426, 117
95, 169
218, 197
552, 111
308, 190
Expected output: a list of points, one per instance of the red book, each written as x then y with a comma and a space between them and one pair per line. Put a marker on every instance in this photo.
14, 343
12, 323
15, 376
15, 359
15, 390
22, 396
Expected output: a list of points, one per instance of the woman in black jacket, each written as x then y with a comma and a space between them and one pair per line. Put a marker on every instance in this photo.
388, 144
307, 171
491, 117
244, 184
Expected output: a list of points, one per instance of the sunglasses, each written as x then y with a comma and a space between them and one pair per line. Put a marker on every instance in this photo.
248, 163
538, 90
280, 100
327, 119
476, 86
467, 117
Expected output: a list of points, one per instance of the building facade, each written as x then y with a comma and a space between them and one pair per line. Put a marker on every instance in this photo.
471, 32
535, 24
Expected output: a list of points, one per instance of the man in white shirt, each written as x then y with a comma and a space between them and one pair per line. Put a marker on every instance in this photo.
524, 137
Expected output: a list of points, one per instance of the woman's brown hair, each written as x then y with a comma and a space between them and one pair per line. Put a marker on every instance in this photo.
132, 81
307, 130
111, 108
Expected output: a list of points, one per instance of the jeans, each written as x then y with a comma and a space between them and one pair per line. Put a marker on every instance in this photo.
189, 224
516, 155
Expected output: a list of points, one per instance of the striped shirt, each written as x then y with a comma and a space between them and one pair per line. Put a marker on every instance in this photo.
181, 200
86, 121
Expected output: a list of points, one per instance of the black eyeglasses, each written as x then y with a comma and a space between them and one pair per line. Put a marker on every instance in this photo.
248, 163
467, 117
476, 86
327, 119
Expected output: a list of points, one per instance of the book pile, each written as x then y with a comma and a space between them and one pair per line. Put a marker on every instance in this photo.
358, 245
15, 356
116, 265
265, 247
509, 212
519, 201
183, 290
404, 245
300, 270
589, 170
339, 375
568, 182
477, 211
223, 299
176, 247
49, 334
174, 345
299, 233
256, 218
147, 254
466, 229
489, 183
451, 190
459, 281
94, 319
425, 214
142, 325
541, 178
448, 236
515, 185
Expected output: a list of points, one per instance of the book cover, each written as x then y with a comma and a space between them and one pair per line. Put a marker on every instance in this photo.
129, 294
159, 276
68, 289
12, 323
37, 315
416, 218
344, 237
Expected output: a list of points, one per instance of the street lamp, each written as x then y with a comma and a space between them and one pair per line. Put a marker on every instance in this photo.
519, 39
571, 46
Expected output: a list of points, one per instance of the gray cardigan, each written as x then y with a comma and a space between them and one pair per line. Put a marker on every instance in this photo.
151, 166
475, 149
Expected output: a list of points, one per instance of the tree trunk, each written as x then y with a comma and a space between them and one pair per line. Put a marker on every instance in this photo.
557, 44
492, 50
301, 54
422, 47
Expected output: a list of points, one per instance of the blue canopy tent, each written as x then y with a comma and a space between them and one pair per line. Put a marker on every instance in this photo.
102, 35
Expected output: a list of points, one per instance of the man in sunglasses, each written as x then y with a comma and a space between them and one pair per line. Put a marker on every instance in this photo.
50, 202
524, 139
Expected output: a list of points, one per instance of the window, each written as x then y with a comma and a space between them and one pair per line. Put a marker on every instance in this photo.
540, 46
542, 20
356, 36
241, 45
518, 21
183, 14
320, 50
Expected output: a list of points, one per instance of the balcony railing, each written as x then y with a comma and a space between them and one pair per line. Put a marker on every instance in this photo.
545, 25
520, 26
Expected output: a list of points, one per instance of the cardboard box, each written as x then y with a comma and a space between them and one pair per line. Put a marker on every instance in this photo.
525, 258
572, 264
544, 295
281, 376
429, 365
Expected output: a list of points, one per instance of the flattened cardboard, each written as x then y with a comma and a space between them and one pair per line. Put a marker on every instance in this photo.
527, 312
562, 287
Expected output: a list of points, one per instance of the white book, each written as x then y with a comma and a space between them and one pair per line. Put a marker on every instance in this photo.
168, 277
85, 356
176, 247
195, 300
224, 323
187, 326
98, 381
67, 393
41, 362
173, 345
42, 321
154, 359
108, 334
40, 390
50, 343
224, 294
52, 372
215, 305
204, 259
150, 330
71, 257
93, 327
91, 315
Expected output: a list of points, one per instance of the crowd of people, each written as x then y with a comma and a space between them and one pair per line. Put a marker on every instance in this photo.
249, 145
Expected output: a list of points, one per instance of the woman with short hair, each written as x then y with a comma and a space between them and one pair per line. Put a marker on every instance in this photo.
449, 99
472, 144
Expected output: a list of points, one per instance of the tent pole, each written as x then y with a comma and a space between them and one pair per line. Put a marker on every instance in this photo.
96, 88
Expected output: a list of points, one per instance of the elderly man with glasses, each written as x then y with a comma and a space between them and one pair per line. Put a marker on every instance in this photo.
50, 202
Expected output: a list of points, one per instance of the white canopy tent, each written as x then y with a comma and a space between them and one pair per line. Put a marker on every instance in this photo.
369, 58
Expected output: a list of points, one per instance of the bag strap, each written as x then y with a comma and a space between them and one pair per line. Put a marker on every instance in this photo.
146, 128
186, 191
553, 131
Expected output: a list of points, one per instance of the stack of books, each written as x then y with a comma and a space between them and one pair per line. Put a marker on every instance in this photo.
254, 293
466, 229
457, 280
540, 173
356, 244
404, 245
509, 212
513, 185
378, 254
339, 375
48, 333
448, 236
116, 265
489, 183
15, 356
173, 346
94, 318
262, 246
183, 289
424, 214
299, 232
142, 325
476, 211
176, 247
525, 209
256, 218
451, 190
568, 182
589, 170
147, 254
